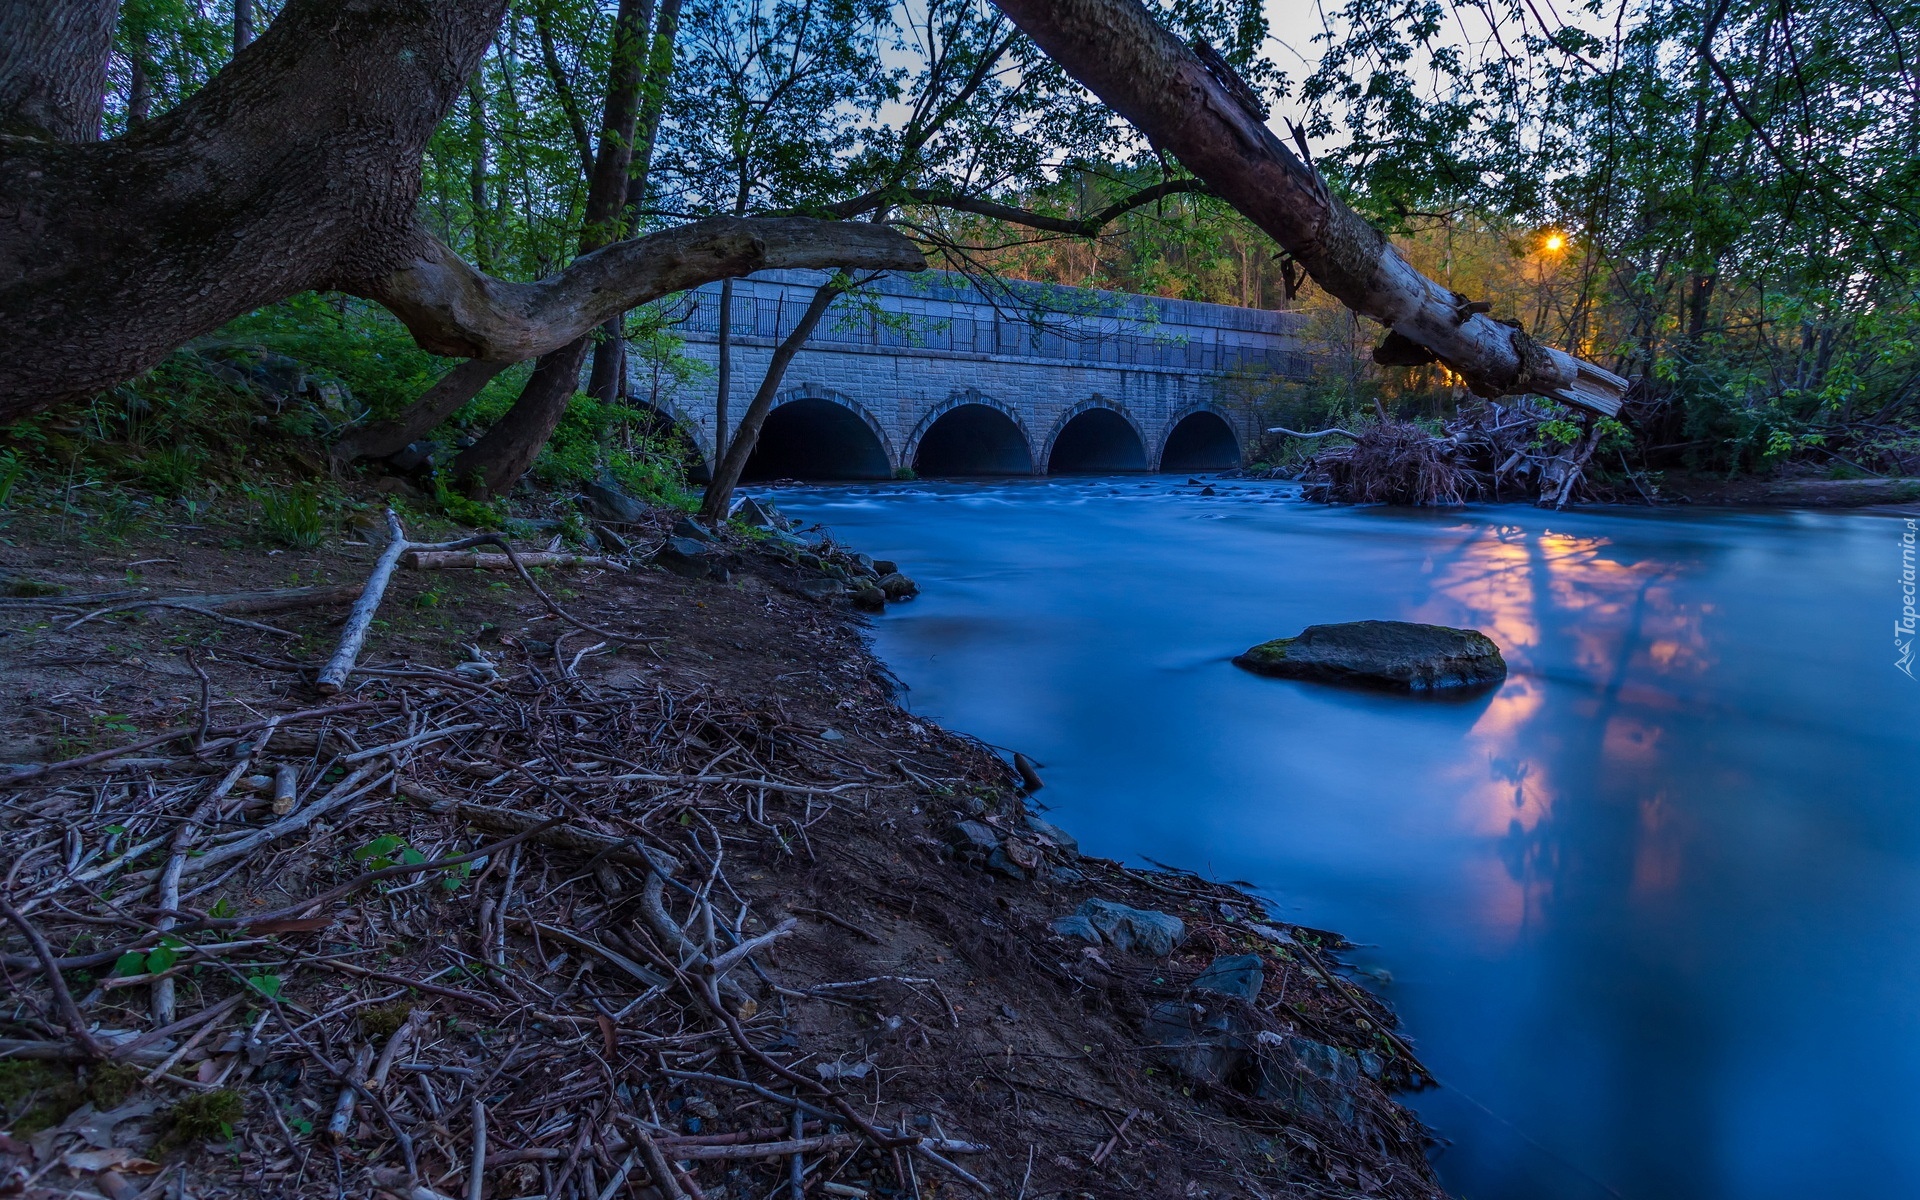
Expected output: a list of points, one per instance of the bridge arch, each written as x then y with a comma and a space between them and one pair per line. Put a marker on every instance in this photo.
1097, 435
813, 432
1200, 438
971, 433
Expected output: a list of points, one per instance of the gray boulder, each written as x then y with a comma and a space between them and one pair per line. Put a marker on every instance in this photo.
692, 559
1240, 976
761, 516
898, 586
687, 527
1073, 925
821, 587
604, 499
1391, 654
975, 839
1150, 932
1052, 834
1306, 1077
1204, 1045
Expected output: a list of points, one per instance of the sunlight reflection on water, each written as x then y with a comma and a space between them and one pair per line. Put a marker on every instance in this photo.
1651, 907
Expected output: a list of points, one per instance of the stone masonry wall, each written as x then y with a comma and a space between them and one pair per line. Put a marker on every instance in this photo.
916, 347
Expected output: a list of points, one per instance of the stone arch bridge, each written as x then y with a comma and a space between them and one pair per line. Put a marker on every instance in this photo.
930, 374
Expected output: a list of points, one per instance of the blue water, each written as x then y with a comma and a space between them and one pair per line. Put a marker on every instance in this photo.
1651, 909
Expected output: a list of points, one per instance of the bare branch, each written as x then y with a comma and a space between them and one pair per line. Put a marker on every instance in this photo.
451, 308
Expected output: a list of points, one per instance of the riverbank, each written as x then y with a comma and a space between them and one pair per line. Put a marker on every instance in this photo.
521, 847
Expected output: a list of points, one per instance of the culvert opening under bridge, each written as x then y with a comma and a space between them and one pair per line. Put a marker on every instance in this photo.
811, 438
973, 439
1095, 442
1202, 441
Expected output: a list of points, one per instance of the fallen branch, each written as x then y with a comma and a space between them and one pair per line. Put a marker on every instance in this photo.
61, 996
333, 676
444, 560
1319, 433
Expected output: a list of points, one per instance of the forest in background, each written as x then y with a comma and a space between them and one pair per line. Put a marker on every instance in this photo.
1715, 199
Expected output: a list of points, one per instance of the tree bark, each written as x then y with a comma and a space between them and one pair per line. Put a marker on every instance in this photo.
1117, 50
298, 167
53, 67
440, 401
498, 459
496, 462
608, 382
718, 500
242, 24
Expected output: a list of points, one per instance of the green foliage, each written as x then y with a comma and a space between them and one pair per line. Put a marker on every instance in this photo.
292, 516
171, 471
475, 513
160, 958
11, 469
591, 440
353, 344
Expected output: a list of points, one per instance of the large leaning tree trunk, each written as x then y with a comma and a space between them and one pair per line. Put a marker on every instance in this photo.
1209, 119
297, 167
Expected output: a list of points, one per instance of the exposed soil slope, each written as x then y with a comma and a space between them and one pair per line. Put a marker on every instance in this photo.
571, 989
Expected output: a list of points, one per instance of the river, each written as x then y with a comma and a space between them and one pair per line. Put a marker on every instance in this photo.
1650, 910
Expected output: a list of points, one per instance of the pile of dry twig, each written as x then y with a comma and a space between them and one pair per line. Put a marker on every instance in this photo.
1483, 452
520, 929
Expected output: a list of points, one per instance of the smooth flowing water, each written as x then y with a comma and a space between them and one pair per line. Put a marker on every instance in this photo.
1650, 909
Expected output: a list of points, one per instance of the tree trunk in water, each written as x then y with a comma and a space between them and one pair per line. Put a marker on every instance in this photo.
609, 377
718, 501
1144, 73
724, 382
296, 167
53, 67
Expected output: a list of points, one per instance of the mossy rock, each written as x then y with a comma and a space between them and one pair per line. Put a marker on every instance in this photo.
1400, 655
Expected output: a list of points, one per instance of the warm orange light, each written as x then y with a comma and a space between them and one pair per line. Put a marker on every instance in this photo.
1555, 243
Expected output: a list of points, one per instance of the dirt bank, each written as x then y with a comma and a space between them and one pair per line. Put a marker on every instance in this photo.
498, 916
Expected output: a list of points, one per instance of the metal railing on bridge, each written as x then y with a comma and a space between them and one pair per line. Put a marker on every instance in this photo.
1074, 339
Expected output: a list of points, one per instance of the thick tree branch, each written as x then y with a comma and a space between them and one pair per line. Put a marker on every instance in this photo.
1144, 73
1071, 226
453, 309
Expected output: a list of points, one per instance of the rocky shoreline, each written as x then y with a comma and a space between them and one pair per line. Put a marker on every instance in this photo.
650, 889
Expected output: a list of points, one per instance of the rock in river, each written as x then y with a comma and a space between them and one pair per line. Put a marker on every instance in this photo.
1394, 654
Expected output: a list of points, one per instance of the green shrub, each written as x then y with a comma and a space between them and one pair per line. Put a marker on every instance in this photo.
11, 469
172, 471
292, 516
